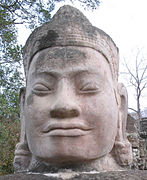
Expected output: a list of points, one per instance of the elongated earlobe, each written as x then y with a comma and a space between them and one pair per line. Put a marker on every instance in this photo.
122, 147
22, 153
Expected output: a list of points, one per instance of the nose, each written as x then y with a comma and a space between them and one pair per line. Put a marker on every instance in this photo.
63, 112
65, 104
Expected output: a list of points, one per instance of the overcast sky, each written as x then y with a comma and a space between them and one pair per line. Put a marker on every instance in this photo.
125, 21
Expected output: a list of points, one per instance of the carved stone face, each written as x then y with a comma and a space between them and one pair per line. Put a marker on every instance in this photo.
71, 111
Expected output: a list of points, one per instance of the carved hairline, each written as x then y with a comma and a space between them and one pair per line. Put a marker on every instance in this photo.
114, 74
72, 46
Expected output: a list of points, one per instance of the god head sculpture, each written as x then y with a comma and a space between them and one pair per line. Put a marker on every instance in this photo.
73, 110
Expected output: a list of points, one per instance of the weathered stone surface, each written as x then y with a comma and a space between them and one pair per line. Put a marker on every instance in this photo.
69, 27
131, 124
25, 177
117, 175
138, 143
113, 175
73, 110
143, 128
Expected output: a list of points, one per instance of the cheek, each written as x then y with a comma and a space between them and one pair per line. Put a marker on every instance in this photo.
36, 112
100, 111
101, 114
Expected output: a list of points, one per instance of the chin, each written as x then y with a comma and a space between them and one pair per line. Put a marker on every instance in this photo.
66, 156
60, 150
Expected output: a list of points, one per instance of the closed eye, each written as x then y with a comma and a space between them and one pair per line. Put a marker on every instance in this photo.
41, 89
89, 88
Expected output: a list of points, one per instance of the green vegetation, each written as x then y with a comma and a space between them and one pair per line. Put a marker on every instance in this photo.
9, 136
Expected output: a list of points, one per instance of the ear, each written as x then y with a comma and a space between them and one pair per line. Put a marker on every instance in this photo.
22, 153
122, 147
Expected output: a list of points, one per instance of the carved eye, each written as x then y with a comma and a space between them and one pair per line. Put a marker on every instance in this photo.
89, 88
41, 89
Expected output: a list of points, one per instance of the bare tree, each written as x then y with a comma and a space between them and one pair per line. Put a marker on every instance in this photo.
137, 78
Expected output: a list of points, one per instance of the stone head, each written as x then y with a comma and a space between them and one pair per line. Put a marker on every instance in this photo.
74, 110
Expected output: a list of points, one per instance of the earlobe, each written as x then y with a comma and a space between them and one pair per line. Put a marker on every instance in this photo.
122, 147
123, 107
22, 153
22, 96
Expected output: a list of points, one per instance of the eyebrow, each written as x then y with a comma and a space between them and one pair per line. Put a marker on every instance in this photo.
56, 74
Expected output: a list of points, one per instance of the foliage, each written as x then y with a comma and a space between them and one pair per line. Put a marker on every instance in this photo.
9, 136
11, 81
32, 12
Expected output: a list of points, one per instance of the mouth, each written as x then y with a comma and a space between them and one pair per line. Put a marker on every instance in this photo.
67, 130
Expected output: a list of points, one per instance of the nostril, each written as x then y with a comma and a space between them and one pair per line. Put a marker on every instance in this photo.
64, 113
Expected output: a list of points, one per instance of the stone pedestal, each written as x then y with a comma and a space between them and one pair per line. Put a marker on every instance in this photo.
114, 175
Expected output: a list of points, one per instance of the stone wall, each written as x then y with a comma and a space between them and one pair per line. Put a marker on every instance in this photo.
138, 141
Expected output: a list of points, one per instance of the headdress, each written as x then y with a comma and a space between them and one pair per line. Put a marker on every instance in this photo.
69, 27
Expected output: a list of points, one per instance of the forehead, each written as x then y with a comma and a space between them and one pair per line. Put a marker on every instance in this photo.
68, 59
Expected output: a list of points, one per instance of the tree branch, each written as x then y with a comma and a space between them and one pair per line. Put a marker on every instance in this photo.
133, 110
143, 73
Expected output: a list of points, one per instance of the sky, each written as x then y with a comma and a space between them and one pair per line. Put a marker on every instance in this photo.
126, 22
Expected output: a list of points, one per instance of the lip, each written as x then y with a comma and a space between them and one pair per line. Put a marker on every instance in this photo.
65, 129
